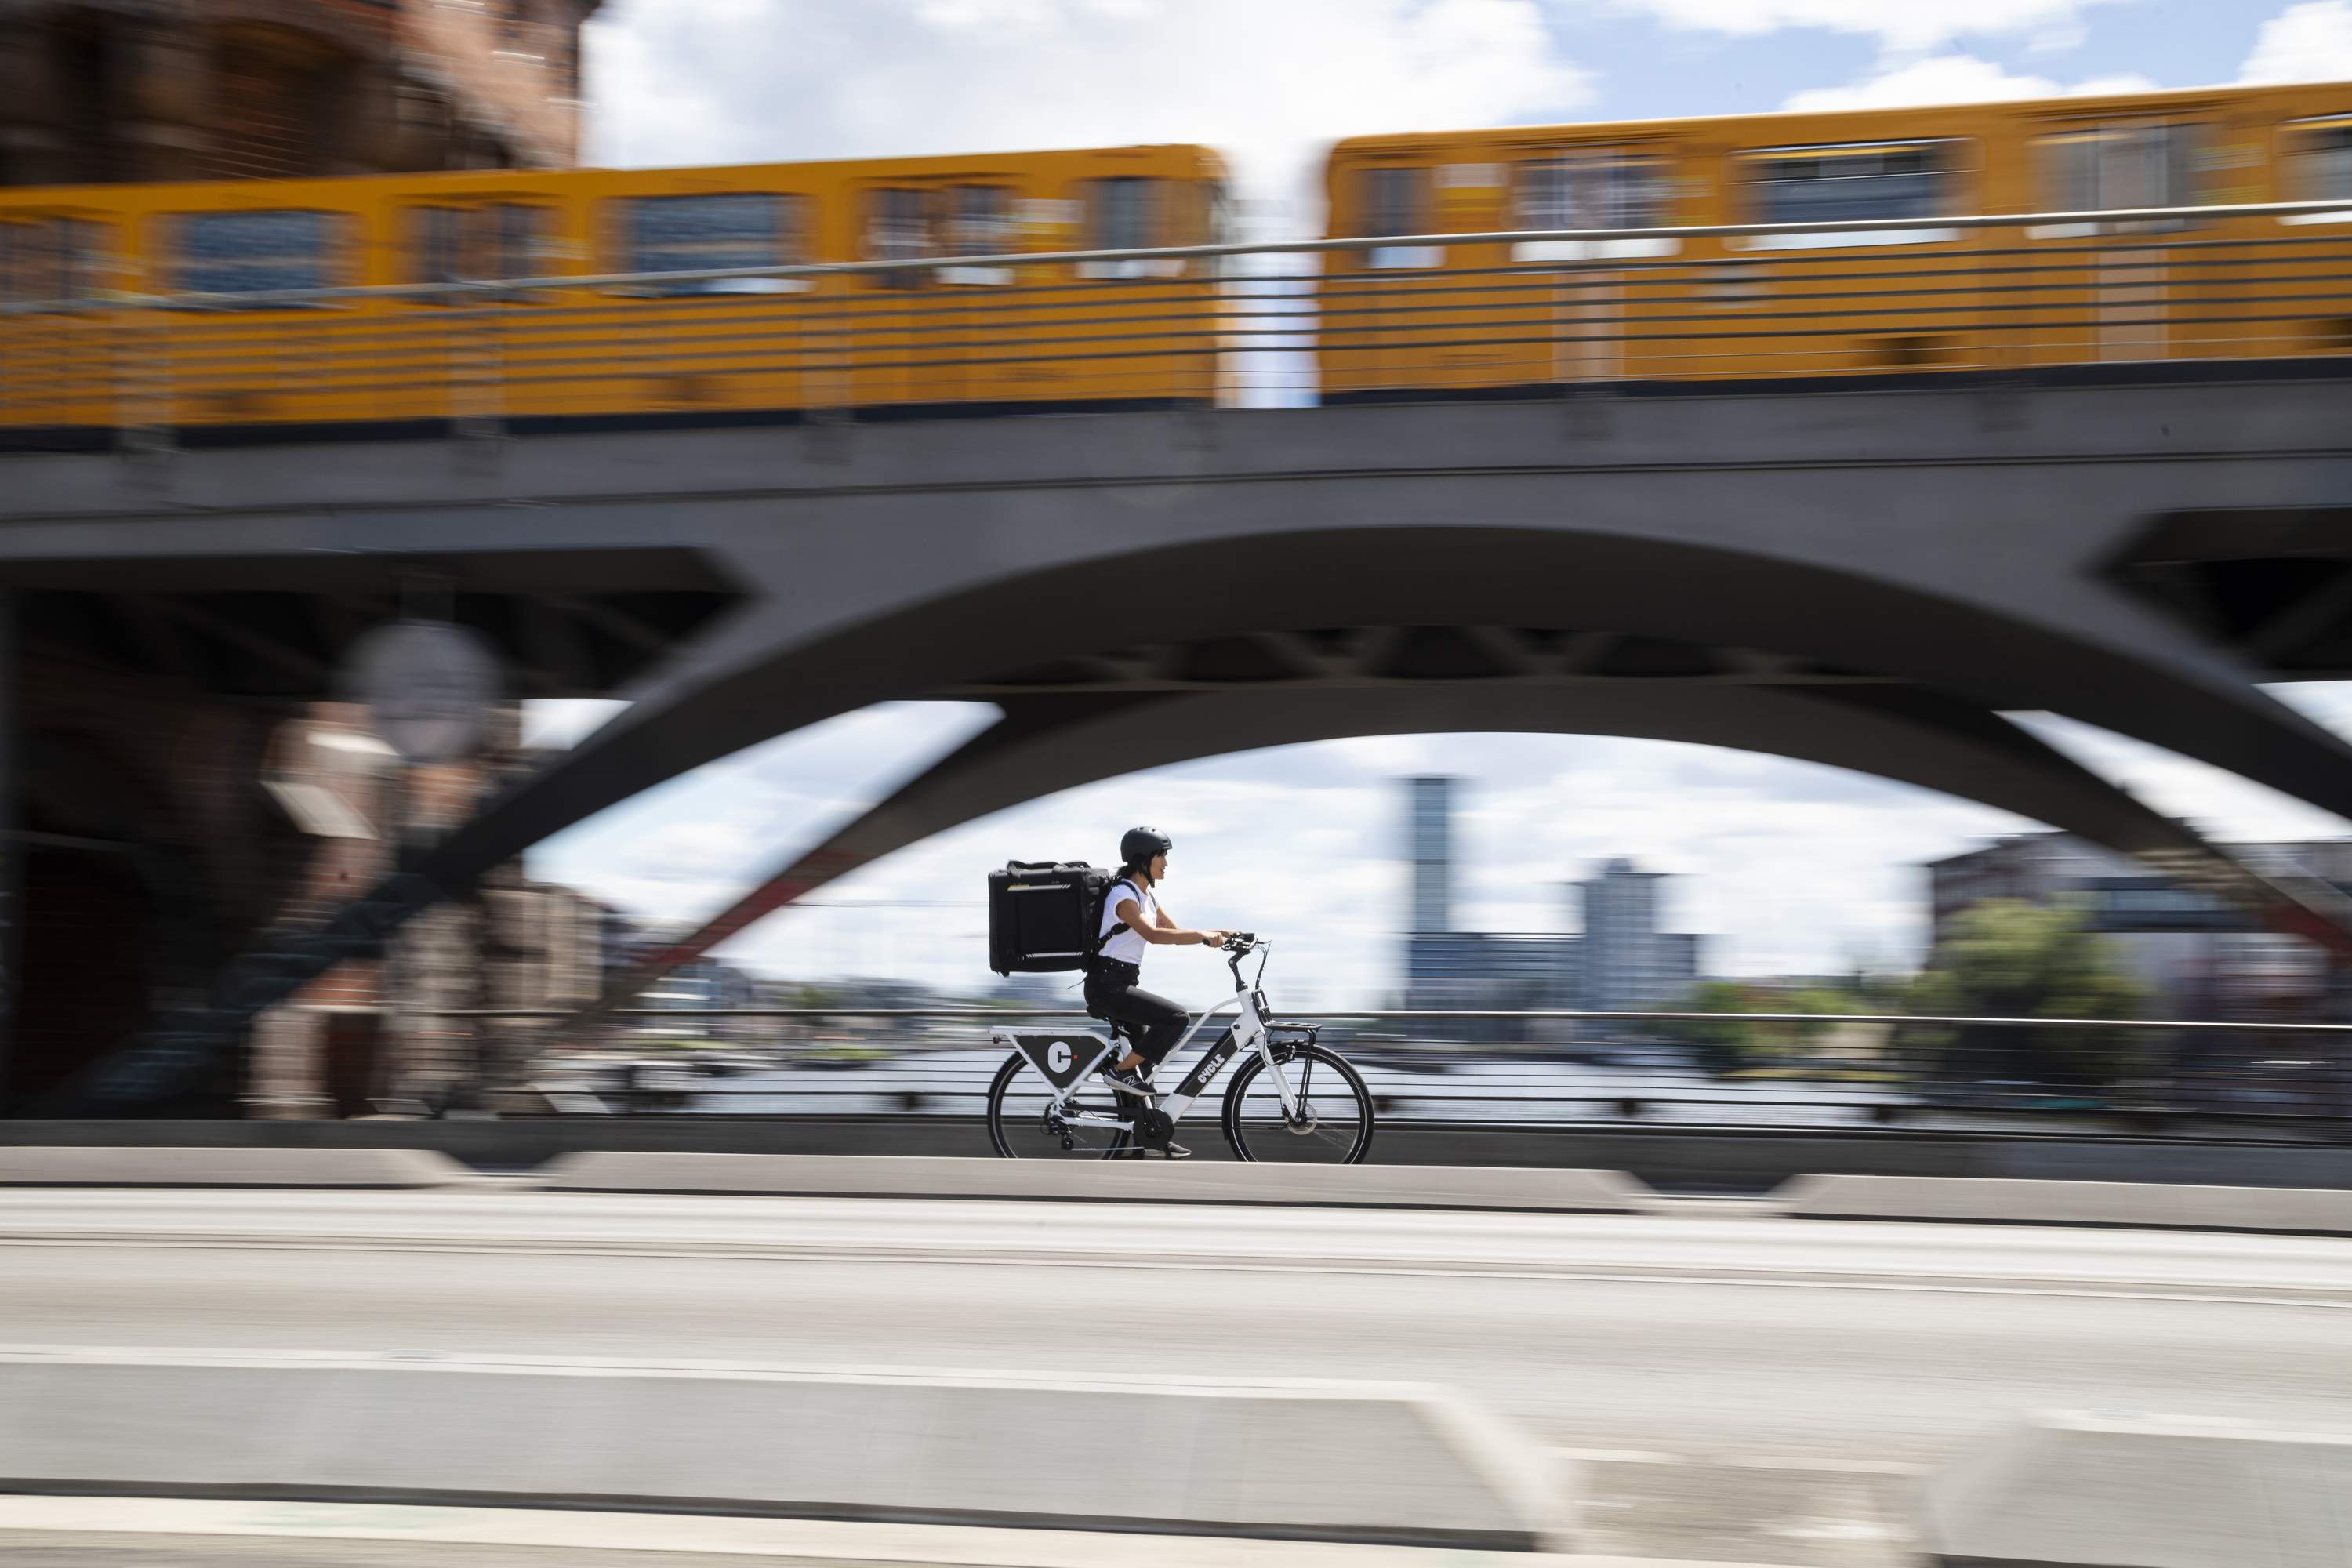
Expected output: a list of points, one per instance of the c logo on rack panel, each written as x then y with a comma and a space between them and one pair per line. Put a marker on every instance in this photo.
1062, 1058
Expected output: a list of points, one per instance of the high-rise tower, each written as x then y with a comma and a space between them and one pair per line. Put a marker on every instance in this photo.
1430, 832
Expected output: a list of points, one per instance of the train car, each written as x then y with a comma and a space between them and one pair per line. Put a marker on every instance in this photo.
1493, 318
166, 306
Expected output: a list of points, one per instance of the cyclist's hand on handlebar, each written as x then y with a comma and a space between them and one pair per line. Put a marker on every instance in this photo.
1239, 940
1213, 939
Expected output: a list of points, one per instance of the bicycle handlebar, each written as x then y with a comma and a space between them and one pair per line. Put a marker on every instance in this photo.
1238, 942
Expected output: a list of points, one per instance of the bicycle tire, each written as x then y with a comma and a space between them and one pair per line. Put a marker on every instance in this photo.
1237, 1091
1007, 1133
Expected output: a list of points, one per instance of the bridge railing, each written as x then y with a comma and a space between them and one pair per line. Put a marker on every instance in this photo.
1542, 1066
1274, 322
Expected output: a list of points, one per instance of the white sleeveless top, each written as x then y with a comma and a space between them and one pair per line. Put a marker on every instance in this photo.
1126, 947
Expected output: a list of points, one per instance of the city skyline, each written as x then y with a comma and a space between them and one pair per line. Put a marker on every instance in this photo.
1792, 867
1615, 958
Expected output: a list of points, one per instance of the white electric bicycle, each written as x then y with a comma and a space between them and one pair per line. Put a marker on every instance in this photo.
1292, 1098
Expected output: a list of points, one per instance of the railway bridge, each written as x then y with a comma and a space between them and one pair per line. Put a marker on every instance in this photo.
1865, 574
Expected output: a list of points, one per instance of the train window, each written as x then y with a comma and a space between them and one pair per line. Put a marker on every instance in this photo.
511, 231
979, 223
2114, 168
436, 245
2319, 167
898, 228
49, 261
1221, 225
473, 245
979, 220
1223, 220
712, 233
1396, 202
1589, 190
254, 252
1869, 181
1127, 212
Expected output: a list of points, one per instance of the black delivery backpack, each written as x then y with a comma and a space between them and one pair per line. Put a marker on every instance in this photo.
1043, 914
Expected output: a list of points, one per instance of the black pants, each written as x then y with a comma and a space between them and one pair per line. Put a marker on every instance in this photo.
1157, 1022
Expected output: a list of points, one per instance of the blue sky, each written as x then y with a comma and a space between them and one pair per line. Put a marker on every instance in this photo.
1271, 80
1786, 866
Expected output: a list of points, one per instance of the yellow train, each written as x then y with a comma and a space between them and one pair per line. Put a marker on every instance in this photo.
963, 335
162, 324
1498, 315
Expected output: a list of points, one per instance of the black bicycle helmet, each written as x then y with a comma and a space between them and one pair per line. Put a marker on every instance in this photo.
1137, 846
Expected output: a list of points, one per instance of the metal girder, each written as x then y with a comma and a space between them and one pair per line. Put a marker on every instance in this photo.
1354, 656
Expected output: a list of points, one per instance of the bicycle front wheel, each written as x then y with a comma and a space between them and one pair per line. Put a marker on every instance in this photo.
1332, 1124
1024, 1124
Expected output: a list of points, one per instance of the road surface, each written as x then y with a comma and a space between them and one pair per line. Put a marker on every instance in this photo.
1758, 1388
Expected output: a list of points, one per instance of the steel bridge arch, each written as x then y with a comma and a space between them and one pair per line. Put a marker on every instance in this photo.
1972, 593
767, 673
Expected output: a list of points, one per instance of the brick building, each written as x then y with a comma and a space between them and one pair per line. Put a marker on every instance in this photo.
100, 91
172, 790
367, 1036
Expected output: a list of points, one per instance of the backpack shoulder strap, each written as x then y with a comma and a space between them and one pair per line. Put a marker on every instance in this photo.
1110, 901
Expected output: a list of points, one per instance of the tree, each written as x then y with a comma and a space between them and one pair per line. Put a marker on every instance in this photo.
1721, 1045
2006, 958
1820, 1000
1732, 1045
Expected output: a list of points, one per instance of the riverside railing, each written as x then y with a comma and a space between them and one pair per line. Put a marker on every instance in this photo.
1543, 1066
1212, 324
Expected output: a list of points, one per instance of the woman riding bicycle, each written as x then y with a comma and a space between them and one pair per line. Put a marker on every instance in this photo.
1132, 921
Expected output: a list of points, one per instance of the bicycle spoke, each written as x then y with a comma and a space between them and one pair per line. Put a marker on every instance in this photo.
1025, 1124
1326, 1122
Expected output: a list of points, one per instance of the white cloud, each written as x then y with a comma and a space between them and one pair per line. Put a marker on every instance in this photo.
2058, 39
1898, 24
2311, 41
749, 80
2307, 42
1952, 78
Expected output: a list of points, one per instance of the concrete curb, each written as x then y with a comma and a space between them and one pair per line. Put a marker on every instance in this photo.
1140, 1181
2129, 1204
1703, 1160
2158, 1493
1396, 1464
140, 1529
163, 1167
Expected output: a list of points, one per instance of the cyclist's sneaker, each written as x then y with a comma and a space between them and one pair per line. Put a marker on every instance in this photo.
1128, 1082
1177, 1151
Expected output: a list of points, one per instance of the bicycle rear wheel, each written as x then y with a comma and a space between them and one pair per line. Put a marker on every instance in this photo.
1022, 1124
1334, 1124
